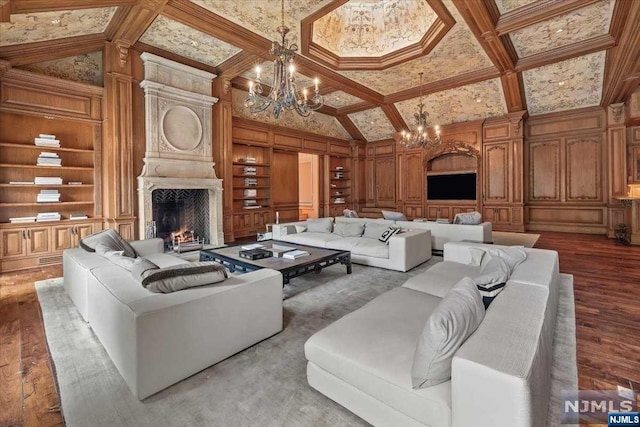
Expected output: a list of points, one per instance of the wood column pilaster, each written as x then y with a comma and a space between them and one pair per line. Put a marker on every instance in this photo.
118, 175
617, 153
222, 149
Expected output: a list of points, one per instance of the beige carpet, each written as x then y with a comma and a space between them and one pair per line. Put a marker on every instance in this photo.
264, 385
514, 239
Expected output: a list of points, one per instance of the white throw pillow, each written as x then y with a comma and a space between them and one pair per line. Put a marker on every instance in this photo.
116, 257
320, 225
453, 320
394, 216
388, 233
492, 279
300, 228
374, 230
348, 229
477, 254
468, 218
513, 255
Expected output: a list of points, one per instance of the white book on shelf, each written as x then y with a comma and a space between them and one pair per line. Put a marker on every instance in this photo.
23, 219
295, 254
48, 154
48, 180
46, 136
21, 182
78, 216
74, 182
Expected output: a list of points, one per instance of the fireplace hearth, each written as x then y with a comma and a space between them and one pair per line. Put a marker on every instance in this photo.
181, 216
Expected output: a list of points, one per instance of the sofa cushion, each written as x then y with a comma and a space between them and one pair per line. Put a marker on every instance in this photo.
394, 216
440, 278
513, 255
455, 318
320, 225
374, 230
372, 350
468, 218
142, 267
109, 238
388, 233
178, 277
311, 238
165, 260
116, 257
361, 246
348, 229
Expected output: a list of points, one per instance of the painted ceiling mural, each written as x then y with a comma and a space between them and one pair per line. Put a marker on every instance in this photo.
183, 40
36, 27
85, 68
373, 28
339, 99
457, 53
373, 124
317, 123
505, 6
581, 24
472, 102
264, 16
566, 85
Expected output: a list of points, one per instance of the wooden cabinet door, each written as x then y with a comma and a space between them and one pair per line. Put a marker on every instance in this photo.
499, 215
370, 181
413, 211
385, 181
445, 212
81, 231
284, 179
61, 237
414, 177
38, 240
496, 172
14, 243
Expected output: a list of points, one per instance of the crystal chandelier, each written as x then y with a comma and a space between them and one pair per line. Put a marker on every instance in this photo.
419, 137
284, 93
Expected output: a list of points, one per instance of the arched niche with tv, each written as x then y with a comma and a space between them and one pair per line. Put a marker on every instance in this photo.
452, 179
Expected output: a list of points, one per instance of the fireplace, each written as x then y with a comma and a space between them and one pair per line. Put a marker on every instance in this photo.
178, 186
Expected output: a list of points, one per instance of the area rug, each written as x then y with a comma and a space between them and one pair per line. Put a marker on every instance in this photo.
514, 239
264, 385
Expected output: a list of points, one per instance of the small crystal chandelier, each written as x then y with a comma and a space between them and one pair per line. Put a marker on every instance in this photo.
419, 137
284, 93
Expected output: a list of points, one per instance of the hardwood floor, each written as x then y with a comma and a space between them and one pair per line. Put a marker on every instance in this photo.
607, 294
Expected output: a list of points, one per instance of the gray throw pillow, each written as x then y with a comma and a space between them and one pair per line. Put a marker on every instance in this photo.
453, 320
183, 276
320, 225
394, 216
116, 257
142, 267
111, 239
349, 229
349, 213
374, 230
513, 255
468, 218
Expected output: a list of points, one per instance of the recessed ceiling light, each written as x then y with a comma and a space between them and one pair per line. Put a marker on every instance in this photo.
561, 83
194, 43
55, 21
559, 30
372, 122
478, 99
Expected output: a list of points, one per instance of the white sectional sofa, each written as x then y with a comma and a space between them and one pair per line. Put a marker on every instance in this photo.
443, 233
500, 375
156, 339
403, 251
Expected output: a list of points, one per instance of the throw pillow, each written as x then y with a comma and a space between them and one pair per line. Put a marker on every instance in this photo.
111, 239
476, 255
388, 233
374, 230
349, 213
492, 278
183, 276
394, 216
142, 267
286, 230
320, 225
300, 228
453, 320
469, 218
116, 257
348, 229
513, 255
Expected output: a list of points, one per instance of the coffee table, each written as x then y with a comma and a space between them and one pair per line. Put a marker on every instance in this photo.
317, 259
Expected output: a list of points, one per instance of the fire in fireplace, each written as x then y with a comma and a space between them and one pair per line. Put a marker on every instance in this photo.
181, 217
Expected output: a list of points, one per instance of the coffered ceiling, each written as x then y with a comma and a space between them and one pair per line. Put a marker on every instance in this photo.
480, 58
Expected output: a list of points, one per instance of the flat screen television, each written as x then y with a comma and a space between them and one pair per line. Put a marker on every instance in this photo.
459, 186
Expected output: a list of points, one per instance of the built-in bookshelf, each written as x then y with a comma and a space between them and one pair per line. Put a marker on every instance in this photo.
50, 170
339, 191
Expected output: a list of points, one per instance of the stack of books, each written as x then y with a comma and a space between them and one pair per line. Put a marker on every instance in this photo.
250, 170
250, 160
250, 204
46, 140
21, 182
48, 196
295, 254
78, 216
48, 180
250, 192
339, 175
250, 182
49, 159
22, 219
48, 216
339, 200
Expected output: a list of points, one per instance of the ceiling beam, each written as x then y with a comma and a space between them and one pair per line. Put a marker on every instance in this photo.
535, 12
143, 47
351, 128
355, 108
5, 11
238, 64
622, 66
394, 116
201, 19
49, 50
513, 88
562, 53
440, 85
34, 6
